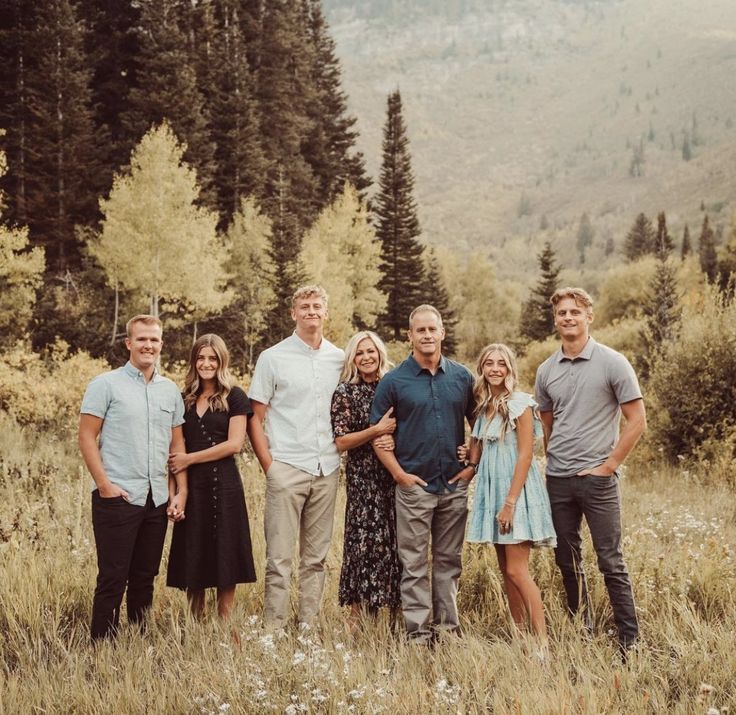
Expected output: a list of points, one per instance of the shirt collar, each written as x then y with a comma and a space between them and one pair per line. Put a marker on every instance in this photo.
135, 373
417, 369
585, 354
301, 345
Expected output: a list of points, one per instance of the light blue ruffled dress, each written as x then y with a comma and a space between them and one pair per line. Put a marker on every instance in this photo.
532, 517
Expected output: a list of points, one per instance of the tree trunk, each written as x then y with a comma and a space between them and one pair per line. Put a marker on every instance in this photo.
116, 315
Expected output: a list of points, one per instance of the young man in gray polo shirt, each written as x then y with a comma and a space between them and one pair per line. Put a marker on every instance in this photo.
137, 415
582, 391
291, 391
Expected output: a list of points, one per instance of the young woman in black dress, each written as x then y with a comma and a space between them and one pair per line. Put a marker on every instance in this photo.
371, 571
212, 547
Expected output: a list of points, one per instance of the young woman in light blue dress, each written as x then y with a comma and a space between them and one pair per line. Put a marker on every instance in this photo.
510, 508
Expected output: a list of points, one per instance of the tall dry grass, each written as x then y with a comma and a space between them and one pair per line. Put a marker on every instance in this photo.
680, 538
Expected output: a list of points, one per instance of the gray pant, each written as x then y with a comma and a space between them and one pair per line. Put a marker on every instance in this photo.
419, 515
598, 499
298, 505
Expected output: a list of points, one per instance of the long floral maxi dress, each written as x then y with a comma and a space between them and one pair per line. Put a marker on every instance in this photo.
371, 570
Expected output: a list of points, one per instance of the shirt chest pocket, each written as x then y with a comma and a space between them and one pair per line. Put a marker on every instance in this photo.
164, 416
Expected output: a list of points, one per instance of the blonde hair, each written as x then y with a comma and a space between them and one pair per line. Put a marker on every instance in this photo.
306, 291
143, 318
581, 297
223, 379
350, 371
425, 308
486, 403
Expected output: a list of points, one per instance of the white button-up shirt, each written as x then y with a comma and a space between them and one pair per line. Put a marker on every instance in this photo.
296, 381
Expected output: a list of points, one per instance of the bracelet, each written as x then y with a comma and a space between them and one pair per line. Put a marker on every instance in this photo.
511, 503
474, 465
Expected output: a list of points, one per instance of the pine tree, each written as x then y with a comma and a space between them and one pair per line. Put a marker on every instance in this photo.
686, 245
397, 225
537, 320
687, 152
285, 90
663, 245
707, 251
240, 163
436, 294
585, 235
166, 89
727, 263
156, 241
329, 148
661, 313
640, 238
283, 252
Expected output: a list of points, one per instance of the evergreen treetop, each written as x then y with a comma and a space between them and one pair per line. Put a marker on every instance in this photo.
640, 239
537, 319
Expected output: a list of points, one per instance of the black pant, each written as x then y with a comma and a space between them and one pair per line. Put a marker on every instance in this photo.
599, 500
130, 541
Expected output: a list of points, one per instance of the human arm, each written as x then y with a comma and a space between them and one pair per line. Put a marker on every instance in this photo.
401, 477
257, 435
178, 485
636, 423
547, 419
386, 425
232, 445
525, 452
473, 453
89, 430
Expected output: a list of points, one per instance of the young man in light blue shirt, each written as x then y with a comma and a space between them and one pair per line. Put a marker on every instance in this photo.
137, 415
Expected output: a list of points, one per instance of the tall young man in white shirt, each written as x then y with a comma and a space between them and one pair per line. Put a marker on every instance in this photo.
291, 391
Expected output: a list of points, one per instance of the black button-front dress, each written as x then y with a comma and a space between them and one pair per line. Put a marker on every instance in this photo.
212, 547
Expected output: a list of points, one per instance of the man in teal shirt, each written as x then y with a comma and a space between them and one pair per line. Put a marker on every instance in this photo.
432, 397
137, 415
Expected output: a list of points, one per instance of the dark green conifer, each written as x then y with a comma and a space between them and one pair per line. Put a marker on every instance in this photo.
686, 244
663, 245
537, 319
707, 251
640, 238
661, 313
397, 225
436, 294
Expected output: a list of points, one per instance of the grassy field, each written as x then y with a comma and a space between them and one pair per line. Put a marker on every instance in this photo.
680, 535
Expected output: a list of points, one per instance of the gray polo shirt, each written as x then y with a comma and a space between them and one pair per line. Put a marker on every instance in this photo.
584, 395
138, 418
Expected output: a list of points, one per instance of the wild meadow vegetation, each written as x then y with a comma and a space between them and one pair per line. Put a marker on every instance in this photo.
680, 531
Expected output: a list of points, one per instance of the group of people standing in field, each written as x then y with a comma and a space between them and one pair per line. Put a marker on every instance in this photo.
154, 453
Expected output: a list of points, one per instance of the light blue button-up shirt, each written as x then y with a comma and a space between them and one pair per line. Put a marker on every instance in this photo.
138, 418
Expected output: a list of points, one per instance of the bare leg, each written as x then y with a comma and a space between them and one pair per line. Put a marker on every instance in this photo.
196, 603
225, 602
517, 570
516, 602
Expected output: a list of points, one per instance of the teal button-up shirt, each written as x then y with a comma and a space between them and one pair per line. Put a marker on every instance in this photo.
138, 418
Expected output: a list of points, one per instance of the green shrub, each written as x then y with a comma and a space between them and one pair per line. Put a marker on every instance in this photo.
692, 385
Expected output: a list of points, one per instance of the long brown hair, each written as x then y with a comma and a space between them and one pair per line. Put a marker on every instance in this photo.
223, 379
485, 402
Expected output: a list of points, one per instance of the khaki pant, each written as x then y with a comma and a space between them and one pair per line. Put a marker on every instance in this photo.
298, 505
443, 516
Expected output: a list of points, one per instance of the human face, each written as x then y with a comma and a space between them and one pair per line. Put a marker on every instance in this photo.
367, 360
309, 314
426, 334
495, 371
144, 345
207, 364
572, 320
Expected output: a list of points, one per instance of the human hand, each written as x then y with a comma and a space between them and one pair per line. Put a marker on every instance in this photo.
466, 474
175, 510
110, 491
385, 441
600, 471
409, 480
505, 518
462, 452
387, 423
178, 462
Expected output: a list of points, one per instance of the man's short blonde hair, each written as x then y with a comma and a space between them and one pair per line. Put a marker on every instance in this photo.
579, 295
425, 308
142, 318
306, 291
